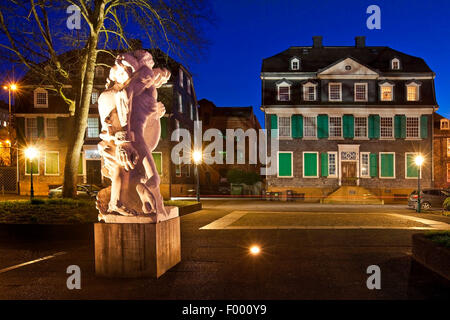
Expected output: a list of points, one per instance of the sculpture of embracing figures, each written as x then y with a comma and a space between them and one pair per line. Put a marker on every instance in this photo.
130, 116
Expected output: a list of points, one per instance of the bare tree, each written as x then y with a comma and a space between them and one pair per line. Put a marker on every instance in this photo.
35, 34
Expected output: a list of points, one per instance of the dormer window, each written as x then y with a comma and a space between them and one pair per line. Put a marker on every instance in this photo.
386, 91
445, 124
295, 64
309, 91
99, 72
412, 91
284, 90
40, 98
94, 96
395, 64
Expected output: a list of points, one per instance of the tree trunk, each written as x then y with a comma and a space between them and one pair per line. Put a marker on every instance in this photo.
79, 121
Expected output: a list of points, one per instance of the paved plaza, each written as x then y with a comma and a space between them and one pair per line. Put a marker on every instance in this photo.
308, 251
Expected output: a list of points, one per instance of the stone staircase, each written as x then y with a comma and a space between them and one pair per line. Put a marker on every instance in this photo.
352, 195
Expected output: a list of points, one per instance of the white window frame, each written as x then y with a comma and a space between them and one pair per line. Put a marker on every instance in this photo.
38, 166
386, 84
392, 64
36, 92
329, 127
45, 164
26, 128
444, 121
292, 164
304, 128
46, 128
340, 91
188, 85
406, 166
417, 86
293, 60
92, 96
283, 84
335, 175
181, 80
303, 165
279, 126
392, 130
361, 164
379, 169
418, 128
191, 111
87, 128
354, 128
180, 103
448, 147
366, 96
306, 86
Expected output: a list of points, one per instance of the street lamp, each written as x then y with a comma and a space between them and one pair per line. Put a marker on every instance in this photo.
197, 157
419, 161
10, 87
31, 153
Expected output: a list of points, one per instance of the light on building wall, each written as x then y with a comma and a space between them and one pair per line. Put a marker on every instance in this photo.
197, 156
255, 250
419, 160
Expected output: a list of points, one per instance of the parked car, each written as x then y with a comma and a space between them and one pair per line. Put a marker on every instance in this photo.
83, 191
429, 198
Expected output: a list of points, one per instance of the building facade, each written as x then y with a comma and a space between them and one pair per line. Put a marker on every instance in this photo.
441, 151
349, 116
42, 121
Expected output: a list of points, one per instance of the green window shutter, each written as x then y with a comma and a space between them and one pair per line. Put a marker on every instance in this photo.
324, 164
274, 123
157, 157
80, 164
412, 170
322, 126
373, 165
400, 126
349, 126
163, 122
387, 165
370, 127
423, 127
403, 126
62, 127
297, 126
376, 126
310, 164
51, 163
20, 129
40, 127
284, 164
34, 164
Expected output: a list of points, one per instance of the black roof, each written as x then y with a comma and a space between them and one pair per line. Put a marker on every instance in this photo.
313, 59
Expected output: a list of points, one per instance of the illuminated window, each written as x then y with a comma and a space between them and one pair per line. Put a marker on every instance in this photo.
51, 163
412, 92
448, 147
334, 92
386, 92
40, 98
93, 128
444, 124
360, 91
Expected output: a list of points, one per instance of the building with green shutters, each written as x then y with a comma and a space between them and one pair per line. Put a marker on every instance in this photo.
41, 120
349, 116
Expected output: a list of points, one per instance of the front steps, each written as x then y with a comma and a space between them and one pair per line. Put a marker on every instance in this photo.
352, 195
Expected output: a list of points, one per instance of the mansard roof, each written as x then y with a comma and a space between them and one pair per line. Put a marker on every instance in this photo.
314, 59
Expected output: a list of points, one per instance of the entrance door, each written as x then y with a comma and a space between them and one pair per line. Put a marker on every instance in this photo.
348, 173
93, 172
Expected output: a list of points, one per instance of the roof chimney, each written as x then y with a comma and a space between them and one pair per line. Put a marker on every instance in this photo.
360, 41
317, 42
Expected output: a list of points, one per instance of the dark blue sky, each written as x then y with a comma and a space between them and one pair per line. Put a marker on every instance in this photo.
249, 30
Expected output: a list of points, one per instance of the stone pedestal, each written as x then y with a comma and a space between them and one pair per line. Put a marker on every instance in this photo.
137, 249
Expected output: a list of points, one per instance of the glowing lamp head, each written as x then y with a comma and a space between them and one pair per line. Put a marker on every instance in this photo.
5, 87
31, 153
255, 250
197, 156
419, 160
13, 87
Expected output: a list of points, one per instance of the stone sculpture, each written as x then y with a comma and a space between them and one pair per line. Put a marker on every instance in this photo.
130, 117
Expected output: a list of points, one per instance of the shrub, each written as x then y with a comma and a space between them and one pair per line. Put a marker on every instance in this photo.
446, 204
239, 176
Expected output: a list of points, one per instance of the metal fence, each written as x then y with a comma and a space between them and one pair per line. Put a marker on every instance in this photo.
8, 180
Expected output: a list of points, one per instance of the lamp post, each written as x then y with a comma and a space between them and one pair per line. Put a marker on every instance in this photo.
197, 157
11, 88
31, 153
419, 161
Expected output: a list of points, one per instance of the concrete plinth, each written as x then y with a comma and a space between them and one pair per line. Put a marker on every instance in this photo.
137, 249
